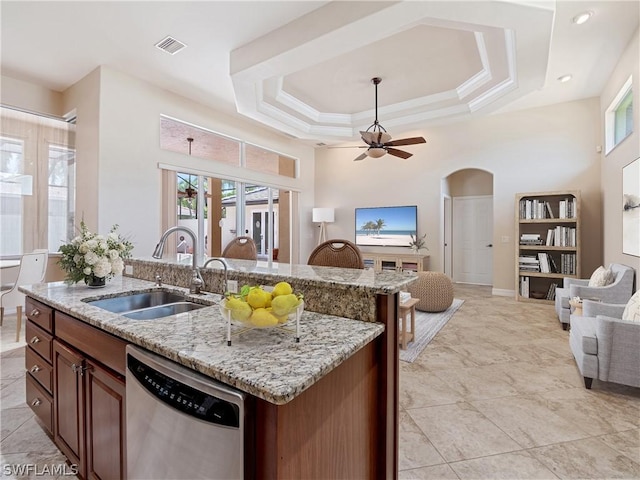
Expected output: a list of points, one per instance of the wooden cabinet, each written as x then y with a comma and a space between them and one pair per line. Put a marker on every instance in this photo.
75, 385
89, 414
398, 262
548, 246
38, 362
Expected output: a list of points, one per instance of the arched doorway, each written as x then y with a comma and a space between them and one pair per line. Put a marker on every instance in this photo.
468, 226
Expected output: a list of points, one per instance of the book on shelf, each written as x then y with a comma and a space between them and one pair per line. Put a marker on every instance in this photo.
524, 287
567, 208
551, 293
531, 239
535, 209
550, 237
545, 266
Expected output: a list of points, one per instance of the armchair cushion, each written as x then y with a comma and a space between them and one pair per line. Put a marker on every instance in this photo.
601, 277
632, 310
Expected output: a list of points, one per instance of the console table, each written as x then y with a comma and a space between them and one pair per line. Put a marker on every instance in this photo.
399, 262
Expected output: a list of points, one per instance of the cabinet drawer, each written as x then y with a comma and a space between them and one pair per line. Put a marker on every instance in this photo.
39, 369
39, 340
99, 345
40, 402
39, 314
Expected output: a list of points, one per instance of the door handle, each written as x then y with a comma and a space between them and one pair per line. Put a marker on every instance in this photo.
490, 245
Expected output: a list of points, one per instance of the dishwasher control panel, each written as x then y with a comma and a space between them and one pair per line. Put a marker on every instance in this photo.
184, 398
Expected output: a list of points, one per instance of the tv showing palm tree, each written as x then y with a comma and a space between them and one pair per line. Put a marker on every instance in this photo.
386, 226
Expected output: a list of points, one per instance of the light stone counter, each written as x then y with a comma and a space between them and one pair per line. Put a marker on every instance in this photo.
266, 363
344, 292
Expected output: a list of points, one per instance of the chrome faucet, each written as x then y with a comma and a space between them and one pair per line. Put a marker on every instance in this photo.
224, 266
196, 279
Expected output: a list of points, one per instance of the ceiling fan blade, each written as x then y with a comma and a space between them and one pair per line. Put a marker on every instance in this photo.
398, 153
350, 146
406, 141
362, 156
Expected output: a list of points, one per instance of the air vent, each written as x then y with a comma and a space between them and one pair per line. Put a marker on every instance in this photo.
170, 45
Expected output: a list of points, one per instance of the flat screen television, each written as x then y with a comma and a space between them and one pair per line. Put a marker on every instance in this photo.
386, 226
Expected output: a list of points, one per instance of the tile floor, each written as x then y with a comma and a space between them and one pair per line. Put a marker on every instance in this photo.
496, 395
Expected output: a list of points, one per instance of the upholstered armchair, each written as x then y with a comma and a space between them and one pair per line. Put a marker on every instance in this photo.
605, 346
617, 292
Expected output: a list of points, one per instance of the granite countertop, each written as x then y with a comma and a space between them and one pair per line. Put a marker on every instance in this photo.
266, 363
384, 282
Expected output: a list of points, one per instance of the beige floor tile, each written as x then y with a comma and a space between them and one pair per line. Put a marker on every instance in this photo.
440, 357
529, 421
436, 472
485, 353
460, 432
28, 438
586, 459
12, 418
12, 367
419, 387
505, 466
529, 378
597, 413
477, 383
627, 443
415, 449
13, 395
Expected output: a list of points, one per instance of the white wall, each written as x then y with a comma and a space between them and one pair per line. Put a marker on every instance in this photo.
543, 149
30, 97
624, 153
129, 181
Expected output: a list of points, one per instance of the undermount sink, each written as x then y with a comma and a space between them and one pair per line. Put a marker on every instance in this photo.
147, 305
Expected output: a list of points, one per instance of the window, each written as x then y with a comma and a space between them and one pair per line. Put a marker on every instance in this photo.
37, 182
619, 117
189, 139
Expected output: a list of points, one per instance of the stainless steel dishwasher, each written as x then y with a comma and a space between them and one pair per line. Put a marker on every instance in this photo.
181, 424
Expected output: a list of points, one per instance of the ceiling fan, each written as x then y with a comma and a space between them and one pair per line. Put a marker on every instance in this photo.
379, 142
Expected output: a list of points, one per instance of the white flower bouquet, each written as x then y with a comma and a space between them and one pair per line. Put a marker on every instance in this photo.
92, 257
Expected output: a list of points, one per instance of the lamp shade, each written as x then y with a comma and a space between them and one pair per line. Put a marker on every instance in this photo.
323, 215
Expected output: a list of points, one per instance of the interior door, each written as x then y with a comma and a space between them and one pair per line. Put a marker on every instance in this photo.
473, 240
447, 236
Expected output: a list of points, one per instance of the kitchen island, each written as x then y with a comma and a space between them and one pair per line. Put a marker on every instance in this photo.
325, 407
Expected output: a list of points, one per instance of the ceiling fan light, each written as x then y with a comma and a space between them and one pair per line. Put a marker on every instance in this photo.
376, 152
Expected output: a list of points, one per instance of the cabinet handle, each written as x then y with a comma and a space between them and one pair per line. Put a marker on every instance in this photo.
35, 340
75, 368
36, 402
35, 369
35, 312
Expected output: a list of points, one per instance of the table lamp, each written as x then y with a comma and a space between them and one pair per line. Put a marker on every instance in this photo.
323, 216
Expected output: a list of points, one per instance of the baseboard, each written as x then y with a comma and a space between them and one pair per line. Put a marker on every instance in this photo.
501, 292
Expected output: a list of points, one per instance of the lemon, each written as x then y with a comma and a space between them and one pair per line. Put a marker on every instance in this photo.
239, 310
281, 288
284, 304
261, 318
258, 298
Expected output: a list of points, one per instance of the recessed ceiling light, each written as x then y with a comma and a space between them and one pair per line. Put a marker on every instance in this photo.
565, 78
582, 17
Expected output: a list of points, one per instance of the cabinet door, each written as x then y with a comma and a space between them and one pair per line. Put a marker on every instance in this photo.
69, 403
105, 417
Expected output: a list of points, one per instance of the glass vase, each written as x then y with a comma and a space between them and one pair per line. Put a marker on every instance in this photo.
95, 282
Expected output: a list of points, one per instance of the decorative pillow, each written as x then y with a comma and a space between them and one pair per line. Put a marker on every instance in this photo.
632, 310
601, 277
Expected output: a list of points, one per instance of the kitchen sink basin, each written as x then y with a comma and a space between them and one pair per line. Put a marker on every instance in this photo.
147, 305
162, 310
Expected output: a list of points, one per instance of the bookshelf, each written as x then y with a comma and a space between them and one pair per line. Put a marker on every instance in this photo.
547, 243
398, 262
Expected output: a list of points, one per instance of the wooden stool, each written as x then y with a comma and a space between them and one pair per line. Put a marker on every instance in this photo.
407, 307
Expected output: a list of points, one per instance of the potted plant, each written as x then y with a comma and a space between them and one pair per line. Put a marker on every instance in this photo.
418, 243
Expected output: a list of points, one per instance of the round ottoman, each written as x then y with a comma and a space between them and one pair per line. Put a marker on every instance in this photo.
434, 291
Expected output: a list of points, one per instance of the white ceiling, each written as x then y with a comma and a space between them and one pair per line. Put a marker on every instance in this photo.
305, 68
